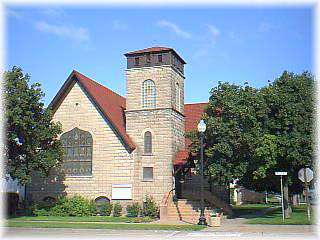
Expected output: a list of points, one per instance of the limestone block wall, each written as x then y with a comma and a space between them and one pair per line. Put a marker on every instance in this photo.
159, 123
111, 162
165, 122
165, 78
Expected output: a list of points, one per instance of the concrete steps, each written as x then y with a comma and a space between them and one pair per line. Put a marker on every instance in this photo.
185, 210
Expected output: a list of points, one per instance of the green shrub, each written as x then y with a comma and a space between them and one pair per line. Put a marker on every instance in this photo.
93, 208
41, 212
105, 209
133, 210
117, 209
150, 208
73, 206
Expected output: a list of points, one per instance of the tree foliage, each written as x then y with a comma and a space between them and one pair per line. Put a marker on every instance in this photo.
253, 132
31, 135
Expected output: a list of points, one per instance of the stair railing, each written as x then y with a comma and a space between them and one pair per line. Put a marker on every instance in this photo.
164, 204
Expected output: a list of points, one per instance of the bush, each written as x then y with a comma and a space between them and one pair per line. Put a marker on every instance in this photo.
41, 212
150, 209
105, 209
133, 210
93, 208
74, 206
117, 209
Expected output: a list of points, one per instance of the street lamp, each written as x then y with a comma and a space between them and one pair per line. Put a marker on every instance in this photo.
202, 128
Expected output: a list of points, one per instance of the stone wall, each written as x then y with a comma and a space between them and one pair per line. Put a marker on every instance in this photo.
165, 78
164, 122
111, 162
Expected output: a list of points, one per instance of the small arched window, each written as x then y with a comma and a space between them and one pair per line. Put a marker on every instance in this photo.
102, 200
147, 143
101, 203
49, 200
148, 94
77, 152
178, 97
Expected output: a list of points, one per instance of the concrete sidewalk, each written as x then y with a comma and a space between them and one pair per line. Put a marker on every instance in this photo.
239, 225
109, 234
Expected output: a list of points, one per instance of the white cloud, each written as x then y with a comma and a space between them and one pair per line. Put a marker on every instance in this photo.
13, 13
264, 27
54, 12
209, 39
232, 35
201, 52
119, 25
213, 30
78, 34
174, 28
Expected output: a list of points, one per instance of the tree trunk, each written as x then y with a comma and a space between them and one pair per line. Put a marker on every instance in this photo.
287, 207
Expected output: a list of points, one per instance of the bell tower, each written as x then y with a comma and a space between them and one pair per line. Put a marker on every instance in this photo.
155, 117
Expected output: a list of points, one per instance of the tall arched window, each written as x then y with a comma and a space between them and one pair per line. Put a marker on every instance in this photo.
77, 153
147, 142
148, 94
178, 97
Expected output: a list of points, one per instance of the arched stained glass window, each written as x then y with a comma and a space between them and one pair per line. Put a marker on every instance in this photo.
147, 143
148, 94
77, 152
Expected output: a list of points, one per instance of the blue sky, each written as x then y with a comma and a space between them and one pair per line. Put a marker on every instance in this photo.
219, 44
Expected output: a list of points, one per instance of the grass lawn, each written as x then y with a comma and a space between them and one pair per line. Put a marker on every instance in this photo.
299, 217
84, 225
81, 219
249, 209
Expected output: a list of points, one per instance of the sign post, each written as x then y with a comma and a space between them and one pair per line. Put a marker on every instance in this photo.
282, 203
306, 175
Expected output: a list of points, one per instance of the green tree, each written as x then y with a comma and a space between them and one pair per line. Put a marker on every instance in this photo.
251, 133
31, 135
290, 101
234, 117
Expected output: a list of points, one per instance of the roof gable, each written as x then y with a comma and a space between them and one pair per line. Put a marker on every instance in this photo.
108, 102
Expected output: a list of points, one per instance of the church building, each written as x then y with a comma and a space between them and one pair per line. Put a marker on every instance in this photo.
123, 148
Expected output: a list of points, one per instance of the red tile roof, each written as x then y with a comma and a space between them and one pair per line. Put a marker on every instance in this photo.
181, 158
109, 103
193, 113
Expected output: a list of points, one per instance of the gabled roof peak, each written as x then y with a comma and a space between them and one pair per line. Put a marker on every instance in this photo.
111, 104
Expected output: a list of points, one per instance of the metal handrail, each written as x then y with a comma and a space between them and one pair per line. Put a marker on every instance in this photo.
165, 199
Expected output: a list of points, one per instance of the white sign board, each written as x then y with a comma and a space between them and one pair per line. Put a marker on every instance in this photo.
309, 174
121, 192
281, 173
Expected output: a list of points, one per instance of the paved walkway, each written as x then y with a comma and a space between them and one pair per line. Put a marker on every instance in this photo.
108, 234
239, 225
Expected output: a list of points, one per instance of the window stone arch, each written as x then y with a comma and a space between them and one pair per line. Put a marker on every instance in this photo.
148, 94
49, 200
77, 147
102, 200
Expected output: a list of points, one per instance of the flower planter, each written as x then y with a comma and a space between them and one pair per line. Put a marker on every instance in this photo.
215, 221
215, 218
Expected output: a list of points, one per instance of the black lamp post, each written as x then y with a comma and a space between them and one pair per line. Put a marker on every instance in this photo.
202, 128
